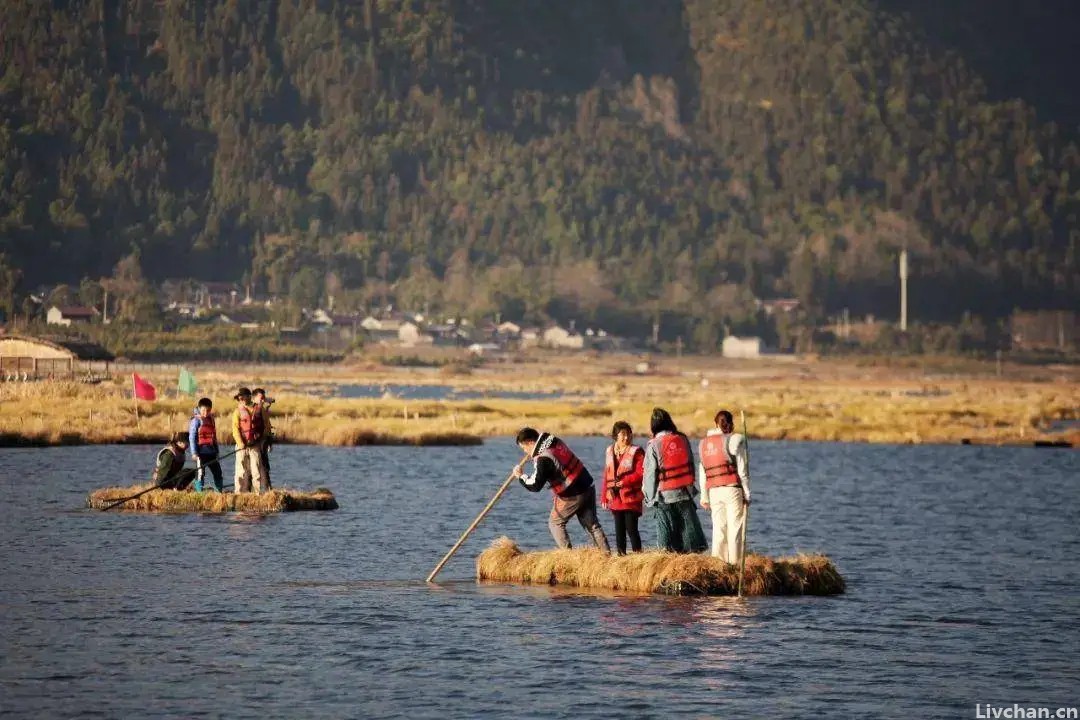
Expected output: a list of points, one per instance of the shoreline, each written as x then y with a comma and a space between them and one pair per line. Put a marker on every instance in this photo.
573, 395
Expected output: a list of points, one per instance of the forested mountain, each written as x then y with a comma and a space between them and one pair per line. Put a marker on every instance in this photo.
605, 160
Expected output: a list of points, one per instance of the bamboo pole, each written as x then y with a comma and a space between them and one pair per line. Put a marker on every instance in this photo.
469, 530
746, 511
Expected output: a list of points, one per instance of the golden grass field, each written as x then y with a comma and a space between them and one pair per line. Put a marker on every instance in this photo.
179, 501
658, 572
880, 401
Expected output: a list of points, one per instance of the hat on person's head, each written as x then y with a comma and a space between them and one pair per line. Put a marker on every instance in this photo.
242, 393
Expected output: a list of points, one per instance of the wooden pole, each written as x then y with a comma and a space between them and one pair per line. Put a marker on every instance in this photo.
746, 510
469, 530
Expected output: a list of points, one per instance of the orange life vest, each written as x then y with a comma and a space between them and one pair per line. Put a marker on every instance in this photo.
206, 436
629, 495
566, 462
251, 424
676, 469
720, 467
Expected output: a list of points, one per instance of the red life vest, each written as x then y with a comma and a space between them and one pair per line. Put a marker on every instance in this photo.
206, 436
566, 462
628, 496
676, 469
251, 424
720, 467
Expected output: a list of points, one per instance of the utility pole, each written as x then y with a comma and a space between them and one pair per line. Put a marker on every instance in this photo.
903, 290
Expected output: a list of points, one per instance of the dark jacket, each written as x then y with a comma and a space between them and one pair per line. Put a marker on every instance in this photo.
546, 471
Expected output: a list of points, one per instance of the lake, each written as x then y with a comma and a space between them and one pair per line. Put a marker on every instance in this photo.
963, 565
435, 392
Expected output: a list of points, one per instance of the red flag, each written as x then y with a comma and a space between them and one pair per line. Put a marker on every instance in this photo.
143, 389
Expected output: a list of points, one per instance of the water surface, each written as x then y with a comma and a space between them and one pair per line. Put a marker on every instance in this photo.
962, 588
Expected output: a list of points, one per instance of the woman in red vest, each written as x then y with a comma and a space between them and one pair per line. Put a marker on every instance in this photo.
724, 483
621, 493
669, 487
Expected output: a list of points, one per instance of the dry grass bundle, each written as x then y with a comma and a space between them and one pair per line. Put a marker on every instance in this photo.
181, 501
659, 572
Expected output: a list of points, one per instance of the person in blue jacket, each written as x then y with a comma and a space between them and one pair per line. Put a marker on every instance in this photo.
202, 439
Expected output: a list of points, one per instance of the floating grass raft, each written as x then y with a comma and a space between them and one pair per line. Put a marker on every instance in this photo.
180, 501
659, 572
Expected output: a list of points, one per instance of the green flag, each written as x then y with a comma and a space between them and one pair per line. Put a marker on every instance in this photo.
186, 383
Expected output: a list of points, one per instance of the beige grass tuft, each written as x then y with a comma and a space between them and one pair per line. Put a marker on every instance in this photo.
179, 501
659, 572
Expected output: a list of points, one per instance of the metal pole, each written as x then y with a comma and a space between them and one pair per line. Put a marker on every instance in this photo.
903, 290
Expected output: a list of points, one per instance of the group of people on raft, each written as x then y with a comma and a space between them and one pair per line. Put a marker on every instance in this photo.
662, 475
251, 431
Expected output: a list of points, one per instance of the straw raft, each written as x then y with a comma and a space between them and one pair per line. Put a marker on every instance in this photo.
181, 501
659, 572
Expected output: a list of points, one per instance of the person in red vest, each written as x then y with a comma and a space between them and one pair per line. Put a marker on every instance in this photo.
202, 439
624, 464
263, 403
557, 466
669, 487
724, 482
247, 431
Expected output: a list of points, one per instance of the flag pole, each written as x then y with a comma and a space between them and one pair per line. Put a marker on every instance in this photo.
135, 399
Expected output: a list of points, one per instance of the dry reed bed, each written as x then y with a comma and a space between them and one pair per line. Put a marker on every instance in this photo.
182, 501
658, 572
983, 410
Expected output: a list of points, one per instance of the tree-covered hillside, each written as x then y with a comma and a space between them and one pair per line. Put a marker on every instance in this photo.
605, 160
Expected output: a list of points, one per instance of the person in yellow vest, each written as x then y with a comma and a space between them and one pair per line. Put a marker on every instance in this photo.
724, 481
263, 403
247, 431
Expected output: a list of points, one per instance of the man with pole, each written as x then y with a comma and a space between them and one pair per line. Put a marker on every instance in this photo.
724, 480
557, 466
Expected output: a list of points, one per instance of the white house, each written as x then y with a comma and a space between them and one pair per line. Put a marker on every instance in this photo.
558, 337
410, 335
70, 315
747, 347
508, 328
530, 337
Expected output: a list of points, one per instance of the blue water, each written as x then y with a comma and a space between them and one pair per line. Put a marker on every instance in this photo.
962, 567
435, 392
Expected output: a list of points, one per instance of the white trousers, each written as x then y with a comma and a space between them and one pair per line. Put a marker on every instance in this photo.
728, 514
249, 471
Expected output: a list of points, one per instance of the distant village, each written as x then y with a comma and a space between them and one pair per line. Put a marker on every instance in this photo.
41, 353
227, 305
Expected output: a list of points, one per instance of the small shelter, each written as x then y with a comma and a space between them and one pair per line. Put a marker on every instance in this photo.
25, 358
